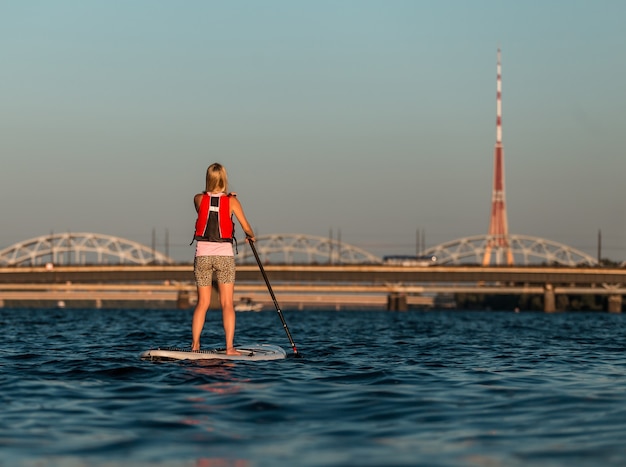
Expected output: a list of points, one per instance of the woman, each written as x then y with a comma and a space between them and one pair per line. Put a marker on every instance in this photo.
214, 252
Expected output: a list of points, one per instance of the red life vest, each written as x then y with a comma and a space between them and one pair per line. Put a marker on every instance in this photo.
214, 223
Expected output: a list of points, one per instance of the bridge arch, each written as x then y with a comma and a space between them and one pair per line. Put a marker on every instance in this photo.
300, 248
526, 250
80, 248
92, 248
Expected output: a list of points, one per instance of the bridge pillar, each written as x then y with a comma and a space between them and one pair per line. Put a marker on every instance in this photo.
549, 304
396, 302
183, 301
615, 303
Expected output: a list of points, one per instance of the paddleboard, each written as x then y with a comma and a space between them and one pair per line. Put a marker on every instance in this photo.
248, 352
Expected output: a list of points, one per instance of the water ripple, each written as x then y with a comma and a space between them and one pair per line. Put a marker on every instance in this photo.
373, 388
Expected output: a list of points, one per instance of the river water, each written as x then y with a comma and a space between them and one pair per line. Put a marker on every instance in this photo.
374, 388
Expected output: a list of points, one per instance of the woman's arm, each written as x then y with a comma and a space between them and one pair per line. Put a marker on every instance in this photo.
196, 201
236, 208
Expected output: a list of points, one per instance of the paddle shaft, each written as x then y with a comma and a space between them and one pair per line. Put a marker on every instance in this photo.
269, 288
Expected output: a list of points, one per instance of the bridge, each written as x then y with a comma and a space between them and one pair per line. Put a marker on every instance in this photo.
304, 270
374, 285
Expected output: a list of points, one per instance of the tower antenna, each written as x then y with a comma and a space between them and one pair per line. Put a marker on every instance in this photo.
498, 236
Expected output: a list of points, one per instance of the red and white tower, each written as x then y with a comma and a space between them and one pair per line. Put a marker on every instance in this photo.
498, 236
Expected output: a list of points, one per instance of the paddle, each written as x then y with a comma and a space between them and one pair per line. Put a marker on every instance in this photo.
269, 288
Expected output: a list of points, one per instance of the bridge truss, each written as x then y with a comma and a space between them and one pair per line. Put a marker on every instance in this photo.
526, 251
297, 248
91, 248
80, 248
301, 249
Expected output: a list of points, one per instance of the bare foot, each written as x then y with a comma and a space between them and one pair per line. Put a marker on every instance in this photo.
232, 351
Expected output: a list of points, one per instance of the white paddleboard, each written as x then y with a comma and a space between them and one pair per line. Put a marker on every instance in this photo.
248, 352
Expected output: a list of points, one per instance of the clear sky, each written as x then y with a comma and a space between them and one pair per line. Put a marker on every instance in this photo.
375, 119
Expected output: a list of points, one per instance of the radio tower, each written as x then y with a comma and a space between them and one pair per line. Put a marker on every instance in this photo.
498, 236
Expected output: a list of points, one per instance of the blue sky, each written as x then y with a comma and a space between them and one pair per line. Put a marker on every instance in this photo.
372, 118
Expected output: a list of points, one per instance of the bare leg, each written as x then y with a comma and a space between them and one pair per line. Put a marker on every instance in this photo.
199, 316
228, 316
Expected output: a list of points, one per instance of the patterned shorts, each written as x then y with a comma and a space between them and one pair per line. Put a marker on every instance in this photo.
223, 266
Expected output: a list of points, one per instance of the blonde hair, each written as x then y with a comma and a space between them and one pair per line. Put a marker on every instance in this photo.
216, 179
